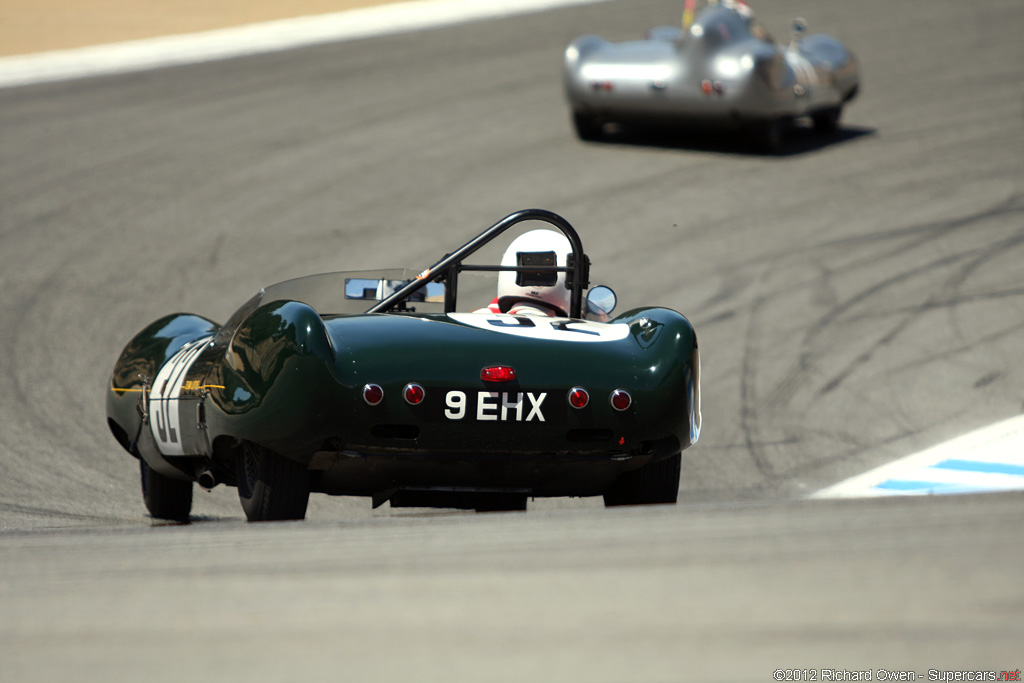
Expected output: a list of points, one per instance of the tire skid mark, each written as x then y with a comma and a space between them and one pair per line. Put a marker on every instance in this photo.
956, 298
826, 333
748, 399
939, 300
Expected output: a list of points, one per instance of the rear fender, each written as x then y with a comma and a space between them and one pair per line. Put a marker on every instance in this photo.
832, 57
668, 337
274, 380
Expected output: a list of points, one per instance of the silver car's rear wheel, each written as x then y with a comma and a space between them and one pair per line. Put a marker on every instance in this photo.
768, 135
827, 120
587, 127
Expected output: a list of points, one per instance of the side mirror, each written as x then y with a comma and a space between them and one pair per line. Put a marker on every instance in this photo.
601, 301
799, 29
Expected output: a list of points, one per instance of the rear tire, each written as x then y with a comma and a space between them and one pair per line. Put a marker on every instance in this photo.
270, 486
165, 498
769, 135
655, 483
587, 127
827, 120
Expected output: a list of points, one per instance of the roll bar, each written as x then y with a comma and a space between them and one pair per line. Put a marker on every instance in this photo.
447, 270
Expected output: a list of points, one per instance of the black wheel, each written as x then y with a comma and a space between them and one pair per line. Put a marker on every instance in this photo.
827, 120
270, 486
587, 127
653, 484
768, 135
165, 498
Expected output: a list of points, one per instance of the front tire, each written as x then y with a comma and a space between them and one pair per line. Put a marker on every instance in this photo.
165, 498
270, 486
655, 483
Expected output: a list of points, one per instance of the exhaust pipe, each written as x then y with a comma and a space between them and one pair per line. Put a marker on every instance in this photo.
207, 479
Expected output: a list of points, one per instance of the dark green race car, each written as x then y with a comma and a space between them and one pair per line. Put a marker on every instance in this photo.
374, 384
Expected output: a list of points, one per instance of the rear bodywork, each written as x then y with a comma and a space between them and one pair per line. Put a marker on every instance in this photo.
289, 370
723, 69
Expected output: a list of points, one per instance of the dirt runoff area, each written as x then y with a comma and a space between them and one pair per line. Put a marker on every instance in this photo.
28, 26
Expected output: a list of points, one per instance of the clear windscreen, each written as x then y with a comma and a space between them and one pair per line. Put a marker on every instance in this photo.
354, 292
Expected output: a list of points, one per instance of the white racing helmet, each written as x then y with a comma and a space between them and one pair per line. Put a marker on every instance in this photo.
535, 248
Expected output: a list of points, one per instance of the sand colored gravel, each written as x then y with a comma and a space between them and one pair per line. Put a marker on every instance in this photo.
28, 26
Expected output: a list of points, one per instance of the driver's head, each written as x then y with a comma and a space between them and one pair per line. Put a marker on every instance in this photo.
535, 248
740, 7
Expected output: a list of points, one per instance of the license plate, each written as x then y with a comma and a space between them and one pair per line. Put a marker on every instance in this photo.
536, 407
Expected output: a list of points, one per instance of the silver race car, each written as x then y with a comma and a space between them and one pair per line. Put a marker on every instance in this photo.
720, 67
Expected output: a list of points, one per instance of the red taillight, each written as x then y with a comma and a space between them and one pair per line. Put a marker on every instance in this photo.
498, 373
621, 400
373, 394
578, 397
413, 394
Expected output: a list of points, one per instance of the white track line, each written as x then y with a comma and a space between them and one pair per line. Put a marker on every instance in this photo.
989, 459
273, 36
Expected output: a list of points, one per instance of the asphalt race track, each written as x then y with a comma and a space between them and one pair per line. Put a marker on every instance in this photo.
857, 299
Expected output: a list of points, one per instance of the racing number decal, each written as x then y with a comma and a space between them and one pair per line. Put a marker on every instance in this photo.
523, 322
495, 406
553, 329
164, 398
